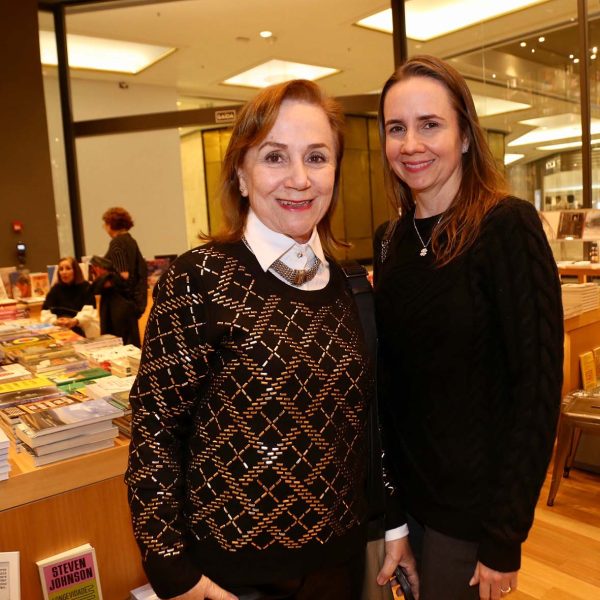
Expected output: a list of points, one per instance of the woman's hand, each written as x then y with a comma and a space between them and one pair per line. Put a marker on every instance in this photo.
493, 585
206, 589
67, 322
399, 552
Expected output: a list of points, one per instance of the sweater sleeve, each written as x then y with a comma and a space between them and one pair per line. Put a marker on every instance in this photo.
173, 370
523, 283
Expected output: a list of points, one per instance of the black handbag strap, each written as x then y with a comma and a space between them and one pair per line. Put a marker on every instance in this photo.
361, 288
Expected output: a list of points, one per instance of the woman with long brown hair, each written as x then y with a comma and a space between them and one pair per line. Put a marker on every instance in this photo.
470, 325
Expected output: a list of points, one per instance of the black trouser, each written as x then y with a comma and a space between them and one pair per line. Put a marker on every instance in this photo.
342, 581
445, 564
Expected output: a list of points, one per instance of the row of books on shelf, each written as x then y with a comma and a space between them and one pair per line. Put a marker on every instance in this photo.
72, 573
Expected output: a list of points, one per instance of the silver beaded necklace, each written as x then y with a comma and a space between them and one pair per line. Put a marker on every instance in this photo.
424, 249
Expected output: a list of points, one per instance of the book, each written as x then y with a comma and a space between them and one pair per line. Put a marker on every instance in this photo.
10, 576
46, 459
110, 432
144, 592
12, 414
66, 336
67, 417
71, 574
596, 353
40, 284
32, 395
570, 225
60, 363
588, 370
34, 442
24, 384
20, 284
13, 372
82, 375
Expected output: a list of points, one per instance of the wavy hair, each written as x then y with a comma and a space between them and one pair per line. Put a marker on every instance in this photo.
77, 274
482, 185
252, 126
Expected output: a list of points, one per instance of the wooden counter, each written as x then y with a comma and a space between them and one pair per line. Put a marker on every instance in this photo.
583, 273
49, 509
582, 333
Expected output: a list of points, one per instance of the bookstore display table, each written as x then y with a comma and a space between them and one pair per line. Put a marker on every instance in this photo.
582, 272
49, 509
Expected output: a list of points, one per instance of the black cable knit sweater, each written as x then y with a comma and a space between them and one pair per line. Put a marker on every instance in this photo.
471, 357
247, 459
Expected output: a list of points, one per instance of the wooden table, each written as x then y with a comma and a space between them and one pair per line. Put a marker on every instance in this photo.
49, 509
583, 273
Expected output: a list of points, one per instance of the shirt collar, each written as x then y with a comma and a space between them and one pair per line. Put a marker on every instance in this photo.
269, 245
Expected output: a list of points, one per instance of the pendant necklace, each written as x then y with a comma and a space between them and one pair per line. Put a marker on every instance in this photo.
424, 249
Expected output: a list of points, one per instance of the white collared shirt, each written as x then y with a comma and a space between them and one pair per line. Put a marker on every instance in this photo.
268, 246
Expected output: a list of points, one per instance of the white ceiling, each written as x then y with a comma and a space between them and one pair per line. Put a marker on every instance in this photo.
216, 39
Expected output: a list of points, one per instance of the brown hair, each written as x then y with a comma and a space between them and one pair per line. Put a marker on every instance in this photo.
252, 126
482, 185
77, 274
118, 219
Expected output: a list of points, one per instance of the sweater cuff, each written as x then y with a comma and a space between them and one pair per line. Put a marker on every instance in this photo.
499, 556
173, 576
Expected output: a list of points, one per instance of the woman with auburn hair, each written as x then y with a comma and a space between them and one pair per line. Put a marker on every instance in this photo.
247, 465
470, 327
70, 302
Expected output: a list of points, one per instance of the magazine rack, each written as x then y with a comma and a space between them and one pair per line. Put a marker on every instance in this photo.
580, 411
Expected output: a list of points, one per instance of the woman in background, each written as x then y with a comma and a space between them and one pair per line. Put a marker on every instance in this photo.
123, 283
470, 323
70, 301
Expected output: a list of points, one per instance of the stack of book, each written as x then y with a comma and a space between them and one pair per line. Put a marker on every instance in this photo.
105, 387
579, 297
4, 464
13, 372
67, 431
73, 380
104, 357
27, 390
121, 400
52, 362
10, 416
144, 592
8, 309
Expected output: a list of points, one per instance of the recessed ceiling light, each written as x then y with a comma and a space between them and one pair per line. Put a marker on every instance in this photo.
571, 56
541, 39
266, 34
277, 71
100, 54
428, 19
533, 51
493, 75
511, 158
487, 106
558, 127
595, 49
593, 56
523, 44
575, 60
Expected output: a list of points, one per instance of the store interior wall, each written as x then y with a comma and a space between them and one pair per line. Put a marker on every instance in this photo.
26, 189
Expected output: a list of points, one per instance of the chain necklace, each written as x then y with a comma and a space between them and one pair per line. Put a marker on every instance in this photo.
295, 277
423, 251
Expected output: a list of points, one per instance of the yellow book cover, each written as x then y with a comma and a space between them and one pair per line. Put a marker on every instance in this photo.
588, 370
25, 384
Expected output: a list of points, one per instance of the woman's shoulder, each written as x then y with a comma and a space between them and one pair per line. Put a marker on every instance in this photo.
512, 209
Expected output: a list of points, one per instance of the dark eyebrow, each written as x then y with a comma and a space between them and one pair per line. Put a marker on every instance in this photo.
284, 146
420, 118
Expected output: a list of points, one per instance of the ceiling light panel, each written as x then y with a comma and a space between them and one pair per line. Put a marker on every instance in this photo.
277, 71
487, 106
101, 54
558, 127
511, 158
428, 19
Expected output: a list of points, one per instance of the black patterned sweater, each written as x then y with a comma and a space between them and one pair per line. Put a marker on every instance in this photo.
471, 378
247, 460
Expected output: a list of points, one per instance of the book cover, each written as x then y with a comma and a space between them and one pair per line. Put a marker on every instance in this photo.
20, 284
570, 225
75, 376
3, 296
13, 372
144, 592
29, 340
71, 574
588, 370
40, 284
32, 395
596, 353
72, 415
10, 577
66, 336
24, 384
60, 363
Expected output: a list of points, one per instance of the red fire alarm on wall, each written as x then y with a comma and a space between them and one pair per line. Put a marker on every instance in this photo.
17, 226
